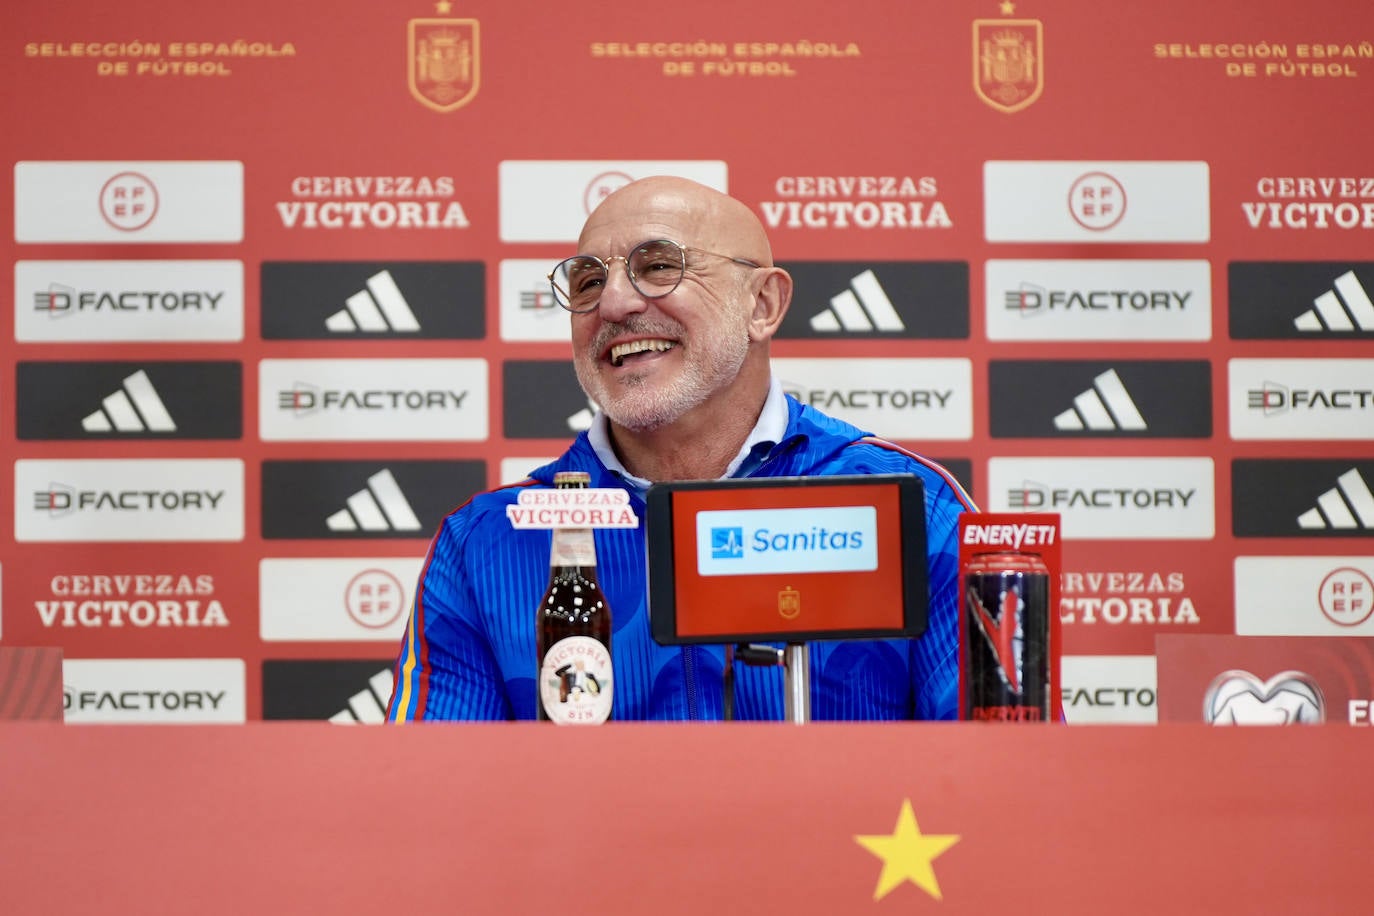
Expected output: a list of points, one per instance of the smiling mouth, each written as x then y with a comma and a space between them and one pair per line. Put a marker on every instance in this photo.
620, 352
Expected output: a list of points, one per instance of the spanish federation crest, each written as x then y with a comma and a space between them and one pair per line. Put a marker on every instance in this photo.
444, 62
1008, 62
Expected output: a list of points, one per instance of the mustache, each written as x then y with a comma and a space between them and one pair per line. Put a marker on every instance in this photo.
638, 325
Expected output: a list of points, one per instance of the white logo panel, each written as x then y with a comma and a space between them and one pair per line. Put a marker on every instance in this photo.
336, 600
528, 309
154, 691
1302, 398
893, 398
514, 470
128, 202
1111, 498
423, 400
1096, 201
548, 201
739, 542
121, 499
1305, 596
1098, 300
1109, 689
98, 301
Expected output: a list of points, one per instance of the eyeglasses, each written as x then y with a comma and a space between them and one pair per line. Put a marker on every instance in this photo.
655, 269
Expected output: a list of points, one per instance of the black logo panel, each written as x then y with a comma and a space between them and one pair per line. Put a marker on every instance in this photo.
1140, 399
1302, 498
880, 300
1301, 301
543, 400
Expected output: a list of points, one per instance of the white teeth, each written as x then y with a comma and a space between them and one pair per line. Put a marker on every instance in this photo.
620, 351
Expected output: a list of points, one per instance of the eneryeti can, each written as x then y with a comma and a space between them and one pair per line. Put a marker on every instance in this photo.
1006, 633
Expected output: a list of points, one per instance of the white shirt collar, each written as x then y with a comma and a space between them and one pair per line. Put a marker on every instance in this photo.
770, 429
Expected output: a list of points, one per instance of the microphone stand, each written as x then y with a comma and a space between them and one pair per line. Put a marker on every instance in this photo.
796, 664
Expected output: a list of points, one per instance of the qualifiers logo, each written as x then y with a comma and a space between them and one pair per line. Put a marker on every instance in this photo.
1008, 61
136, 600
1238, 697
443, 60
858, 202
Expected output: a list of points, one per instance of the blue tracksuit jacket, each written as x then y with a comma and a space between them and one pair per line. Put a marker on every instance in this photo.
469, 649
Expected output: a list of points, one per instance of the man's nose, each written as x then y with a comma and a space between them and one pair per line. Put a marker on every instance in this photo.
619, 296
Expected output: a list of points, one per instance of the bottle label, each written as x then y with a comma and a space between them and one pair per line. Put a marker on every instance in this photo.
575, 681
573, 547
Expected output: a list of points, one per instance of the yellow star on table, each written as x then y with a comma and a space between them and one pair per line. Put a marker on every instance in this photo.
907, 854
1008, 7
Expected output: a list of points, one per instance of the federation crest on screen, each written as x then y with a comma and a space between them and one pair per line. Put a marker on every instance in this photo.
1008, 62
443, 60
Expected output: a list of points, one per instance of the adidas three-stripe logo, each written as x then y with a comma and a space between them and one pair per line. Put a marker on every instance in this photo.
862, 307
1330, 315
380, 506
134, 408
367, 707
1332, 511
1106, 405
380, 307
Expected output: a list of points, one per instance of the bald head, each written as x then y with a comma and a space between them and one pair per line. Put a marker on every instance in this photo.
681, 210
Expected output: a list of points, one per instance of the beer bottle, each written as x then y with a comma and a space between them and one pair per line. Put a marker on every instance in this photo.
573, 627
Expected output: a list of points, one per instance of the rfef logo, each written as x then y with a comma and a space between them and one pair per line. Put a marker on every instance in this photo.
1047, 201
548, 201
422, 300
877, 300
334, 599
1305, 596
128, 202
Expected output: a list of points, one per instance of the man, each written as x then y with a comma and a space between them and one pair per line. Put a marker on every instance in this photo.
675, 300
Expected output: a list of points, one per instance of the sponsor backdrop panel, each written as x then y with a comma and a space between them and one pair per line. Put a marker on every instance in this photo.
301, 333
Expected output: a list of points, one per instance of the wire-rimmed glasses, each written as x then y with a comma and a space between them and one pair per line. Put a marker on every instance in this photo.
655, 269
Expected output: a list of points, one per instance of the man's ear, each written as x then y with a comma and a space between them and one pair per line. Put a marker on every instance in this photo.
771, 299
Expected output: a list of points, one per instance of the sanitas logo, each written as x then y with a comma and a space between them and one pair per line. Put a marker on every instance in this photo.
860, 202
831, 539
